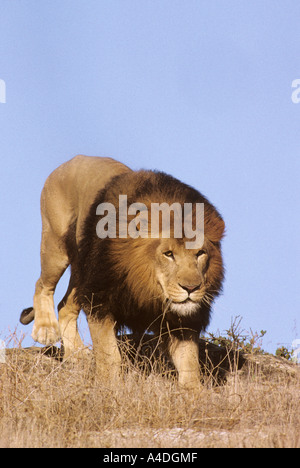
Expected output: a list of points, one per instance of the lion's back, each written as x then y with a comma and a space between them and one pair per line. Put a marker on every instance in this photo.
70, 190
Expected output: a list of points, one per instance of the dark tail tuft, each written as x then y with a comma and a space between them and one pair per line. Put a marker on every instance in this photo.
27, 316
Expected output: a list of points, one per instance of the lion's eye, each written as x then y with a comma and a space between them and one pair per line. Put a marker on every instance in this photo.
169, 254
200, 253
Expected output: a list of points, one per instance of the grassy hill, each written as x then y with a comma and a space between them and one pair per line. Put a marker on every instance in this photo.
47, 403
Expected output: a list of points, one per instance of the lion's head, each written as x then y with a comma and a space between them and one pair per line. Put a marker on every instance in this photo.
140, 278
182, 275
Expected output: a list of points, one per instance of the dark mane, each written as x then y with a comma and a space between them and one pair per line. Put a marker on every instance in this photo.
101, 275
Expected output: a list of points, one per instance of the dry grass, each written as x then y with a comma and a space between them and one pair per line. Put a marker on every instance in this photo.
46, 403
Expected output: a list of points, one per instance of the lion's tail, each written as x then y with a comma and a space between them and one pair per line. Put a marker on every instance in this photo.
27, 316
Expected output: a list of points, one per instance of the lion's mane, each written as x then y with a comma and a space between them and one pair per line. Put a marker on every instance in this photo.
116, 275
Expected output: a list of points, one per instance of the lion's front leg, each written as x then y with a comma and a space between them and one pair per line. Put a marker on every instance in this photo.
185, 356
105, 346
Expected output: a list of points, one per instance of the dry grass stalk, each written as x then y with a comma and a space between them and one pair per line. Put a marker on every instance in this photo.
47, 403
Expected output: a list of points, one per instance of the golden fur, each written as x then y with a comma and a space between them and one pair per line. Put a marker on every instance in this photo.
144, 283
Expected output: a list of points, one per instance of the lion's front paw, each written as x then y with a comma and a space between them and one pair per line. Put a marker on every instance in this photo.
189, 381
46, 335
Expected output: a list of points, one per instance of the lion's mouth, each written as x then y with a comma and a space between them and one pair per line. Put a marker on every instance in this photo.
186, 307
186, 301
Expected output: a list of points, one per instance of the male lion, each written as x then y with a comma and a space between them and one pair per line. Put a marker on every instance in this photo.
138, 281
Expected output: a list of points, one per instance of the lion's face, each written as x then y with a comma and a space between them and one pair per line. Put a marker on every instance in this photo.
181, 274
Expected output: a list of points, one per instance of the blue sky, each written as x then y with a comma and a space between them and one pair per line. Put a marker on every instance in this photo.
199, 89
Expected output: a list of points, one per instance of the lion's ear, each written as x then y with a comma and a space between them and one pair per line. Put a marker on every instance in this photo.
214, 227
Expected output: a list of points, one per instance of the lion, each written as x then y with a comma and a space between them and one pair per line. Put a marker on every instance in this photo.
140, 281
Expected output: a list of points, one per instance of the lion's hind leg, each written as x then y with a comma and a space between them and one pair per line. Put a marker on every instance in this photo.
68, 311
54, 261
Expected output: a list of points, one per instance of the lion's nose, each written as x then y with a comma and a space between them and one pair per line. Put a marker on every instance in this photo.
190, 287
